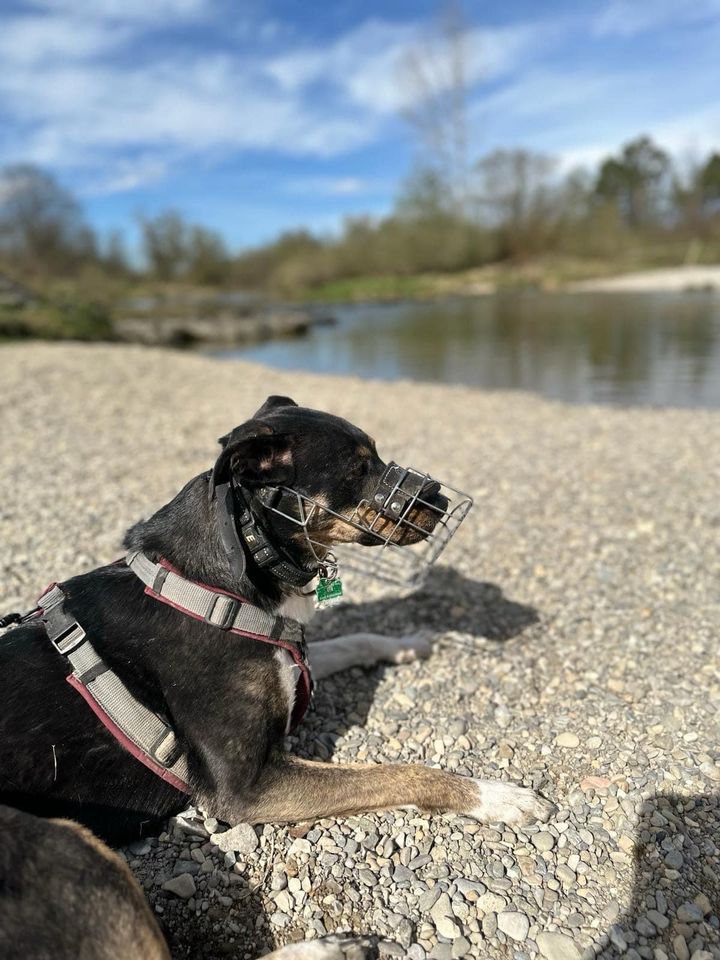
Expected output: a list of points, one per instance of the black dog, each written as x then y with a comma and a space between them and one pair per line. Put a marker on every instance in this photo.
228, 698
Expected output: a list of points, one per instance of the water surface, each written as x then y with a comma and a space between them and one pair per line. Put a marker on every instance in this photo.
622, 349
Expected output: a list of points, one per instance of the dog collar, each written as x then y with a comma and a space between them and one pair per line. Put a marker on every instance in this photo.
240, 530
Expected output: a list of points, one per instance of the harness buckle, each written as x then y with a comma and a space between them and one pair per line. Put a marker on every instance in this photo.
165, 750
69, 640
228, 613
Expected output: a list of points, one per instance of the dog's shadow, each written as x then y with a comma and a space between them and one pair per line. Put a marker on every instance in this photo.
449, 601
676, 892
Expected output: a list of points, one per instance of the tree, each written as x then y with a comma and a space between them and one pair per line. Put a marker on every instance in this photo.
633, 181
41, 223
516, 193
423, 195
206, 256
435, 76
710, 183
164, 240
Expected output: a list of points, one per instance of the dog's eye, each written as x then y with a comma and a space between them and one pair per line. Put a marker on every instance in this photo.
361, 468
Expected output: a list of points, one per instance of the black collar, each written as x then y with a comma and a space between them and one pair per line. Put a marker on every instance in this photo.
242, 534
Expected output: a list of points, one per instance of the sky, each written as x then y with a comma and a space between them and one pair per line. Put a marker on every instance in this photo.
255, 116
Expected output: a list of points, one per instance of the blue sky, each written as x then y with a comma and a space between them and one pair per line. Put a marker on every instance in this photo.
252, 116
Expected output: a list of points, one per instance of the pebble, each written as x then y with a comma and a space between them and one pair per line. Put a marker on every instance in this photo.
557, 946
182, 886
567, 740
689, 913
515, 925
239, 839
443, 918
543, 841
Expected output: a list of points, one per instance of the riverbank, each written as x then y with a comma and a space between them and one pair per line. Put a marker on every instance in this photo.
176, 315
665, 280
575, 623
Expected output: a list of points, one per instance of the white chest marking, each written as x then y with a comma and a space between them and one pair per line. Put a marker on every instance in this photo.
288, 672
299, 606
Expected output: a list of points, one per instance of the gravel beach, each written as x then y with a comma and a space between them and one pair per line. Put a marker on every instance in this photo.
575, 621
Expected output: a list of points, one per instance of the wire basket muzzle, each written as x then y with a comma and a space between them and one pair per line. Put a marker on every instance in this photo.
405, 525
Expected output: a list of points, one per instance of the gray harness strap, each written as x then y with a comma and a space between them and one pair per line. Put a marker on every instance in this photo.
140, 730
145, 734
212, 606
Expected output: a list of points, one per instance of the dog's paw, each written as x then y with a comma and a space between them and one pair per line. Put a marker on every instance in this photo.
509, 803
329, 948
413, 646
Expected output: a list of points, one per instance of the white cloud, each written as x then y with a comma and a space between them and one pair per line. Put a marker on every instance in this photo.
369, 65
142, 11
626, 18
25, 41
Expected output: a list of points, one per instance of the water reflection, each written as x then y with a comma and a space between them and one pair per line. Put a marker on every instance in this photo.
660, 349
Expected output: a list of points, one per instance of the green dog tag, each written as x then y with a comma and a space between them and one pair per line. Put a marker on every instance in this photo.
328, 591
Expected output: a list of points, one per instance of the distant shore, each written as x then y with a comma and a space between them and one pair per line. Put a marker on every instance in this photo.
665, 280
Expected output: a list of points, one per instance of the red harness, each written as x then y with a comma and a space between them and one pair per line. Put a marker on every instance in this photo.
298, 651
69, 638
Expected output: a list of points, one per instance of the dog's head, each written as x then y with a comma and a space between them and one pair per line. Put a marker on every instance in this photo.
331, 462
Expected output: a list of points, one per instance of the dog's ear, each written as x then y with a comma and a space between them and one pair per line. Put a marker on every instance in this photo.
255, 456
273, 402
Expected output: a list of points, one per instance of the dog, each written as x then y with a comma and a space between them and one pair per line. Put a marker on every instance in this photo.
227, 698
64, 895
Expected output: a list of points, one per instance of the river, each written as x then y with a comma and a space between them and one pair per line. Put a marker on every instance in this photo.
621, 349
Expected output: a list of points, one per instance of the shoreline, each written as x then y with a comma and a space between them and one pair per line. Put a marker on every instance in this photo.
680, 279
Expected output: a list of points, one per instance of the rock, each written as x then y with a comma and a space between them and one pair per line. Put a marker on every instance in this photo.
674, 859
567, 739
565, 875
139, 847
515, 925
703, 903
182, 886
490, 903
681, 948
186, 866
285, 901
556, 946
689, 913
443, 917
543, 841
657, 919
239, 839
428, 898
594, 783
460, 948
502, 717
300, 847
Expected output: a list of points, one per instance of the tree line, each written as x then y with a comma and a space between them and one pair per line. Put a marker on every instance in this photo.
511, 205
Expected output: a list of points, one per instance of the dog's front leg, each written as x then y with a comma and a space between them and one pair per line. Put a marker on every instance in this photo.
365, 650
289, 789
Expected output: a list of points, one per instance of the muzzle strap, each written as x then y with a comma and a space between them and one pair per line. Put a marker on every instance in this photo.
399, 488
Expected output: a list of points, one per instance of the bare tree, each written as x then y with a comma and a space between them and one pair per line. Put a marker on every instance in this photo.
42, 228
435, 76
